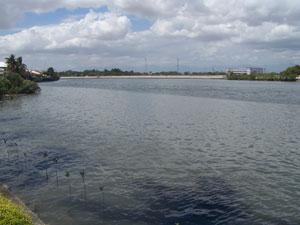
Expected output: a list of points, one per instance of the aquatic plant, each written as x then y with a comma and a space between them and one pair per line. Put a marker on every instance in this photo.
101, 188
68, 175
5, 141
82, 173
55, 160
25, 159
45, 155
16, 148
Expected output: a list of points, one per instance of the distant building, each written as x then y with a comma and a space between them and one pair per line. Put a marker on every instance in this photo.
248, 70
2, 67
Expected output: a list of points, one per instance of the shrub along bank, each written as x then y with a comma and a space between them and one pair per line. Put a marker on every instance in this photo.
290, 74
15, 84
12, 214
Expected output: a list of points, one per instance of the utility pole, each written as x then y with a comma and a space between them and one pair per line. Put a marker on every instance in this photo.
146, 66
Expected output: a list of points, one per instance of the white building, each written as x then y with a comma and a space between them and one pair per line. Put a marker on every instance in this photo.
248, 70
2, 67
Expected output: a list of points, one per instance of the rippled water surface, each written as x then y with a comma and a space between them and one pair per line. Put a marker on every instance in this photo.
166, 151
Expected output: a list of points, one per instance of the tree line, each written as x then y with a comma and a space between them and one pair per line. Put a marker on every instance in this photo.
119, 72
290, 74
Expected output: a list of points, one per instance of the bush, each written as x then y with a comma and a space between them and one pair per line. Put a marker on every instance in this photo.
290, 74
12, 214
29, 87
4, 86
15, 79
15, 84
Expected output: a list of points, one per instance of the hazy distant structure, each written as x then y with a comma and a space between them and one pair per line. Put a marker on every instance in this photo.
247, 70
146, 65
2, 67
177, 65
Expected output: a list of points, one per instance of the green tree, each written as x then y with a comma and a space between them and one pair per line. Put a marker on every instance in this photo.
15, 84
52, 74
290, 74
50, 71
4, 86
21, 67
15, 65
11, 63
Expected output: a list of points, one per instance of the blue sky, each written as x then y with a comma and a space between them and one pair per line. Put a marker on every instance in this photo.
205, 35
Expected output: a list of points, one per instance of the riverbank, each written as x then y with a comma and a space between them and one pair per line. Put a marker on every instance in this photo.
217, 77
6, 192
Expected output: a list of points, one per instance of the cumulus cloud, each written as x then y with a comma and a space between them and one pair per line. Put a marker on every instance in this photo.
147, 9
211, 30
11, 11
94, 28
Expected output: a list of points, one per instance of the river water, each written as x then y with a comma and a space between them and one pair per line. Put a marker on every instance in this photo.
155, 151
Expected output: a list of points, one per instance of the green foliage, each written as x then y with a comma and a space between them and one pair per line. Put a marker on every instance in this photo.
114, 71
15, 84
12, 214
290, 74
15, 80
15, 65
254, 76
119, 72
29, 87
51, 73
4, 84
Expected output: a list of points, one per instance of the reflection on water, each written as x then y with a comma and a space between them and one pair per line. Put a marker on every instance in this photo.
165, 151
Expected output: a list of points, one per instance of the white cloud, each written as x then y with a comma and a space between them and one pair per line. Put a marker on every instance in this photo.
85, 33
11, 11
147, 9
214, 31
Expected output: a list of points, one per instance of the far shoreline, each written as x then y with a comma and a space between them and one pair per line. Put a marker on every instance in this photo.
215, 77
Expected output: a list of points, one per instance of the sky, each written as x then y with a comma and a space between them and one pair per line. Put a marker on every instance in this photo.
203, 35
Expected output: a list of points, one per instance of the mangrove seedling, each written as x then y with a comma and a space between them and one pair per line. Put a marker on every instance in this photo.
5, 147
55, 160
25, 159
4, 141
101, 188
82, 173
45, 155
16, 148
68, 175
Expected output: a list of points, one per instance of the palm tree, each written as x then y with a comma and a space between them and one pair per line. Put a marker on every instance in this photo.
11, 63
15, 65
21, 67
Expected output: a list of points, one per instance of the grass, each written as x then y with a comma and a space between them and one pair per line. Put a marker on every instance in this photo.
12, 214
